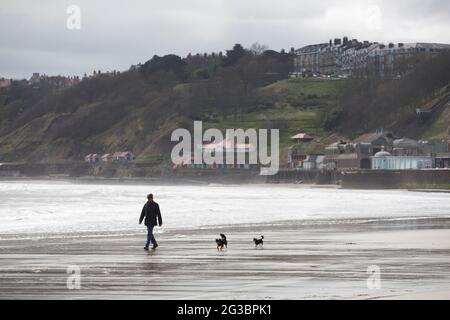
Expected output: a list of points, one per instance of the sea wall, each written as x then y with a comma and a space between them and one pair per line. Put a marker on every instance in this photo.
114, 170
104, 170
358, 179
304, 176
43, 169
396, 179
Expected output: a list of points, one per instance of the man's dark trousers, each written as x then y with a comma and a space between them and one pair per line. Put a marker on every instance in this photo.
150, 237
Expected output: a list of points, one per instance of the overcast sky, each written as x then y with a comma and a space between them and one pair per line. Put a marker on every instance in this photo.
114, 34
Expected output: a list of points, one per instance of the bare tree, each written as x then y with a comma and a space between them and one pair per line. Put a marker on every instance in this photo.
258, 49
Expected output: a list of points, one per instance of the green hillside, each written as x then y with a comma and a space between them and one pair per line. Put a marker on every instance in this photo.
137, 110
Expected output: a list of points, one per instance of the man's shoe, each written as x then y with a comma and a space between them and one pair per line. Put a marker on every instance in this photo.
154, 247
146, 248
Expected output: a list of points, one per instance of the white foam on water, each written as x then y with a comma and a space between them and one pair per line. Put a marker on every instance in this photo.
58, 207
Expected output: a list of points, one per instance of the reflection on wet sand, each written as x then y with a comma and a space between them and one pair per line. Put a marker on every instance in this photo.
297, 262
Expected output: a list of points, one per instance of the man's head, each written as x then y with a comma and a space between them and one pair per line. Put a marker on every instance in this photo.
150, 197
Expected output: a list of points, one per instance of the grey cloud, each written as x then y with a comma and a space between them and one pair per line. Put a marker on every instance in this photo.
116, 33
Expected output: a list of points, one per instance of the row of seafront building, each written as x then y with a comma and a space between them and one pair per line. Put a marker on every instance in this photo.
345, 57
219, 150
380, 150
121, 156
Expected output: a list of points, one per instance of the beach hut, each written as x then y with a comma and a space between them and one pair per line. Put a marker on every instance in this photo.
107, 157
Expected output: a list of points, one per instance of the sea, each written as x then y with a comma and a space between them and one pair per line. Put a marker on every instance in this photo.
55, 208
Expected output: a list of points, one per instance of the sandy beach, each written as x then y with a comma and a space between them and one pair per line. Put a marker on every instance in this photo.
298, 261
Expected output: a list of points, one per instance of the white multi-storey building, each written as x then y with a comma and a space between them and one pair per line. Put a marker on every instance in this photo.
351, 57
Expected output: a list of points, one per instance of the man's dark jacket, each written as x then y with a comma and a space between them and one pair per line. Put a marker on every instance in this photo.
151, 213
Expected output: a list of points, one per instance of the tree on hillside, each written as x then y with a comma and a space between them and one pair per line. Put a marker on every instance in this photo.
233, 55
164, 69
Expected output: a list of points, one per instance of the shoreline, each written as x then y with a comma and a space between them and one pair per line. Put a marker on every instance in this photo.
314, 224
160, 181
189, 182
297, 262
205, 182
430, 190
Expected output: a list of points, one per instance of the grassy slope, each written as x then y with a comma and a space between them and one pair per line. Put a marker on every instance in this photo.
296, 105
440, 128
435, 128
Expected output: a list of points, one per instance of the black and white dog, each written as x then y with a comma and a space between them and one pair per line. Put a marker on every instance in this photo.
222, 242
258, 241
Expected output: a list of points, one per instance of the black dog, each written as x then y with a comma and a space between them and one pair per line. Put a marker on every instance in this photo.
222, 242
258, 241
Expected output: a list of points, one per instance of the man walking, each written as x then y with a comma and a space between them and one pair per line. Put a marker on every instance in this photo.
152, 216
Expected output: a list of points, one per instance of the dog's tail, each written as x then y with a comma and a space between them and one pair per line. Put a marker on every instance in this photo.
223, 236
262, 237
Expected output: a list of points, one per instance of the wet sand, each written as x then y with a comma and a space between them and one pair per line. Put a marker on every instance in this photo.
298, 261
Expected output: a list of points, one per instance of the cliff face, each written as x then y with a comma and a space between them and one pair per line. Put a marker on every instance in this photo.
95, 116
